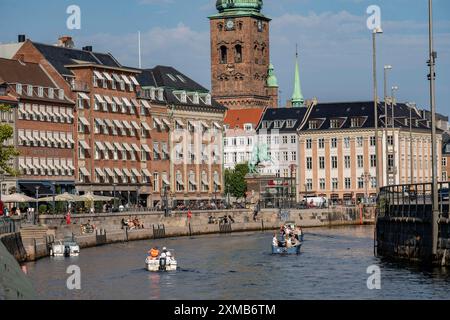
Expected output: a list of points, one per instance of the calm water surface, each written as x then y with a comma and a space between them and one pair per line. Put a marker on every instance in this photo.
332, 265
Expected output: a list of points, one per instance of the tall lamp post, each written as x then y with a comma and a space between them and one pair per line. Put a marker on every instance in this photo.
376, 31
54, 195
37, 204
393, 103
114, 196
432, 78
386, 69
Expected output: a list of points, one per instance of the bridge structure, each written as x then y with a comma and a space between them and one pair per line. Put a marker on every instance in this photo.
405, 224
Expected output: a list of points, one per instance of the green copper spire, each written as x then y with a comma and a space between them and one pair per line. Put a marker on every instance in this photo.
297, 96
272, 81
239, 5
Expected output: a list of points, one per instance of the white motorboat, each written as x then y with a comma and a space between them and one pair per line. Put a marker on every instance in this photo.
65, 249
161, 264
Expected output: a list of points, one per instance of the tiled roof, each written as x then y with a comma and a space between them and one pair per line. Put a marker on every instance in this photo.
173, 80
345, 111
59, 57
273, 114
13, 71
237, 118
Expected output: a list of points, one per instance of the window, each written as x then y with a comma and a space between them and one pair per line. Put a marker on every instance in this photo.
155, 182
290, 123
348, 183
372, 141
223, 55
347, 142
444, 162
335, 184
285, 156
347, 162
322, 163
309, 163
335, 123
390, 140
276, 140
321, 143
294, 156
29, 90
238, 53
333, 143
334, 162
19, 88
308, 144
360, 183
360, 161
373, 161
373, 182
390, 162
309, 184
248, 127
313, 124
293, 139
322, 184
40, 92
192, 182
285, 139
359, 141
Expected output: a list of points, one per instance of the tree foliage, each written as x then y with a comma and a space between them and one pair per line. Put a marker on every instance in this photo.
7, 153
235, 181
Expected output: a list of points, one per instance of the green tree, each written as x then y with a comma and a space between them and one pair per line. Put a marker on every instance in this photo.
235, 181
7, 153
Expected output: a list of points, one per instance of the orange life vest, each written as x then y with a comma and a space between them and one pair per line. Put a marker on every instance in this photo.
154, 253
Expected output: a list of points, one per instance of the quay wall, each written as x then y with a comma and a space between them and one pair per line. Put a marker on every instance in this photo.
406, 234
156, 225
14, 285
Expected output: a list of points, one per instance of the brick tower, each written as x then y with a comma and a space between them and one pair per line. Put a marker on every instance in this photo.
240, 55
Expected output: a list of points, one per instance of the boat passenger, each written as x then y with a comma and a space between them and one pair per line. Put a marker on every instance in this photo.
154, 253
275, 240
288, 242
294, 241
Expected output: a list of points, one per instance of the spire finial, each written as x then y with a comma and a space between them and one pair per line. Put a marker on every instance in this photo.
297, 96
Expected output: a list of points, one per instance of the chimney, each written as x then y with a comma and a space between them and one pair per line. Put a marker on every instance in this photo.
21, 38
66, 42
87, 48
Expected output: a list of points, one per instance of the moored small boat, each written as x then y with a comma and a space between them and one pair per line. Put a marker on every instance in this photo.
161, 264
68, 248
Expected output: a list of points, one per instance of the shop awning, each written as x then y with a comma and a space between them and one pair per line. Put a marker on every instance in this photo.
127, 125
127, 172
146, 126
135, 125
135, 147
83, 96
127, 147
118, 146
136, 172
109, 172
146, 173
109, 146
99, 75
146, 104
118, 172
100, 145
107, 76
108, 99
99, 98
84, 171
127, 102
133, 79
100, 172
84, 121
117, 101
146, 148
118, 124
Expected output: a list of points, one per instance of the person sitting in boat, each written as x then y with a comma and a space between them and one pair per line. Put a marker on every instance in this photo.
154, 253
275, 240
288, 242
166, 254
294, 241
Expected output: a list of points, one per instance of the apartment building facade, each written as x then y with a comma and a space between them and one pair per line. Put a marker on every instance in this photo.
240, 136
43, 123
337, 150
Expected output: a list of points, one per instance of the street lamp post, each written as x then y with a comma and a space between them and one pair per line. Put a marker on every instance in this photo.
114, 197
432, 78
386, 69
411, 169
393, 103
37, 205
54, 195
376, 31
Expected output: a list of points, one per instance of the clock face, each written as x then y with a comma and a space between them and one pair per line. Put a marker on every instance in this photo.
230, 24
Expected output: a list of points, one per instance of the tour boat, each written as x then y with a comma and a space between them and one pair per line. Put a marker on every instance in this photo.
65, 249
161, 264
284, 250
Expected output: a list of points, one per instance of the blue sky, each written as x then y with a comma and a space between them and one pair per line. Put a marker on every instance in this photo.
335, 45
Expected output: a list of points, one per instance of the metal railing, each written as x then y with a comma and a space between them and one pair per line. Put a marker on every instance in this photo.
7, 226
412, 201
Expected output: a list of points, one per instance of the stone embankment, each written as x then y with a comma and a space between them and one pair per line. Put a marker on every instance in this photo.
109, 226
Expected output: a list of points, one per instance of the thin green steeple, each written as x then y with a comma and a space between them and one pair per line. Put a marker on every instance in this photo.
297, 96
272, 81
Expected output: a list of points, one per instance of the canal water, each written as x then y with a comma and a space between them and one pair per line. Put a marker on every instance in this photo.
333, 265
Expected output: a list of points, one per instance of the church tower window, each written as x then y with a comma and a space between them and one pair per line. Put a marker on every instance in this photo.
223, 55
238, 53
